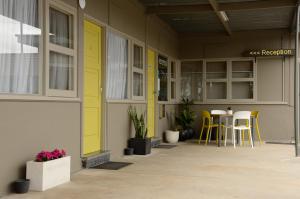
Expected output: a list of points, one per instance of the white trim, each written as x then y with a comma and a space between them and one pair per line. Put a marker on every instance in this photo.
21, 97
72, 52
140, 71
126, 101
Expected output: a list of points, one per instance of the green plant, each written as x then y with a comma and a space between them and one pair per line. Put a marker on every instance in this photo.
187, 117
138, 122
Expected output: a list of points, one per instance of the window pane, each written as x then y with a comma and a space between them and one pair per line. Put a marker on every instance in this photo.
216, 90
242, 90
117, 67
162, 78
242, 69
137, 84
19, 46
173, 70
216, 70
61, 28
173, 90
138, 57
191, 80
61, 71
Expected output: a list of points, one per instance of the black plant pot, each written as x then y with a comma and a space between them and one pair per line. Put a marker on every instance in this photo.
140, 146
183, 135
190, 133
128, 151
21, 185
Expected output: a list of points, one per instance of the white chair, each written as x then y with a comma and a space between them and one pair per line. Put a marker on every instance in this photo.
241, 115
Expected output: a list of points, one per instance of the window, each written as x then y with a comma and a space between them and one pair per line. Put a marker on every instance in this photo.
242, 79
162, 78
216, 80
191, 80
173, 80
20, 35
117, 67
138, 72
61, 50
223, 79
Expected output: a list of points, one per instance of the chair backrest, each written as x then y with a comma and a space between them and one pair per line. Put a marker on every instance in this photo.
206, 116
254, 114
218, 112
241, 115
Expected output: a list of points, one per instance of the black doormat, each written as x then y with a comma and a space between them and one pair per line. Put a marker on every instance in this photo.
112, 165
165, 146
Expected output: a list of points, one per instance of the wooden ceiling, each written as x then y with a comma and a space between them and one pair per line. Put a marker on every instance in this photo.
205, 16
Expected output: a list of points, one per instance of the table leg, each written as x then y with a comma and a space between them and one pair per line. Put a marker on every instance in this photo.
219, 134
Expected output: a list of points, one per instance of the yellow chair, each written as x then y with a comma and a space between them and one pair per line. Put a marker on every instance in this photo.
255, 115
207, 123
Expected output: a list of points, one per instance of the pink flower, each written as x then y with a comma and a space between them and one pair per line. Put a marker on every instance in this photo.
46, 155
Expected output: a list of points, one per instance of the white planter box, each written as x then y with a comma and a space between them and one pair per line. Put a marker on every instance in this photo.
45, 175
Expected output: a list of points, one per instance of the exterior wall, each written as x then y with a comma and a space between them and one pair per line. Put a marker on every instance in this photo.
275, 76
29, 126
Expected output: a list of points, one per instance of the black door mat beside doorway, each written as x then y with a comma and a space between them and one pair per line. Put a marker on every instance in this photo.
112, 165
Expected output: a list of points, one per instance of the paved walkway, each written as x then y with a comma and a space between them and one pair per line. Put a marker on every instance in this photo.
190, 171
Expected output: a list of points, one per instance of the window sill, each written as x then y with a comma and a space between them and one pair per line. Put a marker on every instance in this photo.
242, 103
126, 101
37, 98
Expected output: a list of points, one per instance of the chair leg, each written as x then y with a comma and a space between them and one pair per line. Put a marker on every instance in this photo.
240, 135
210, 132
207, 134
233, 137
257, 131
217, 135
243, 137
250, 135
201, 134
225, 138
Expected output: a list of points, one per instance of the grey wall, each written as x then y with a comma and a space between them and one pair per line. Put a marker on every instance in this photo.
275, 76
28, 126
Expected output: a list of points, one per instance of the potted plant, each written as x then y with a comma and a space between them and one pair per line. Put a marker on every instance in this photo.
141, 144
229, 111
185, 120
48, 170
171, 135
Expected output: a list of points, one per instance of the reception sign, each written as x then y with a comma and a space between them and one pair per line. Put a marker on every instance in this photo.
268, 53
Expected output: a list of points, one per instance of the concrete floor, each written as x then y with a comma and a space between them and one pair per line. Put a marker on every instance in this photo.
190, 171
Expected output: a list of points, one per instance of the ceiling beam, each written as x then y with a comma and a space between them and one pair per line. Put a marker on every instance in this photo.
214, 4
293, 21
196, 8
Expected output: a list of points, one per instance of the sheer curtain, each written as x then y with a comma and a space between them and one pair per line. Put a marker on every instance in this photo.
61, 68
19, 46
117, 67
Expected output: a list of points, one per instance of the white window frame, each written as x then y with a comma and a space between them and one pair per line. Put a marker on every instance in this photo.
173, 80
140, 71
72, 52
228, 80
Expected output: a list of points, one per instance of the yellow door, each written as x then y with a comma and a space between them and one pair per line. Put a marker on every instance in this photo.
151, 93
92, 88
